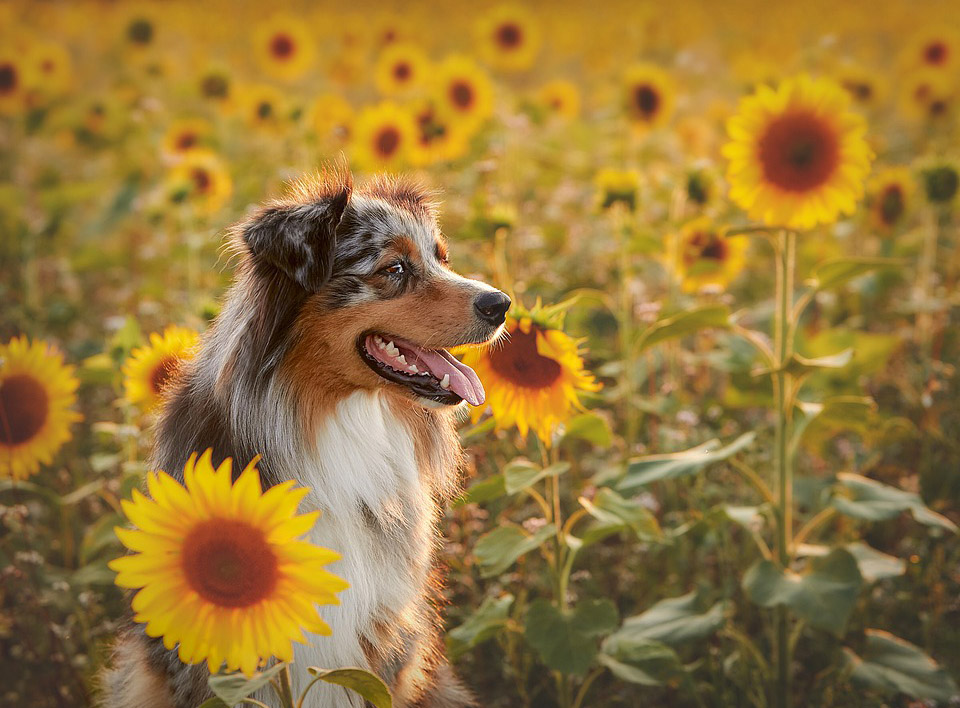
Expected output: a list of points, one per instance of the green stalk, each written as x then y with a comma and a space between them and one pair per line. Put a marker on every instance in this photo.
286, 692
784, 327
625, 313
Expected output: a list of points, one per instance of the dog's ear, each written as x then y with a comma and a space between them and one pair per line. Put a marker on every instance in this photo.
299, 239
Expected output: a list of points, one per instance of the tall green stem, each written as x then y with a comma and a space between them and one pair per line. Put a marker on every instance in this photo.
784, 327
620, 217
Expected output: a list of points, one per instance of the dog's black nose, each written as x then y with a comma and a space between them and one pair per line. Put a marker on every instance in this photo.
492, 307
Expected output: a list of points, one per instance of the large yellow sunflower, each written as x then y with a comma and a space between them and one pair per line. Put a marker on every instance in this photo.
648, 95
463, 92
798, 155
148, 370
36, 393
703, 258
401, 68
283, 47
220, 568
509, 37
201, 179
531, 377
382, 136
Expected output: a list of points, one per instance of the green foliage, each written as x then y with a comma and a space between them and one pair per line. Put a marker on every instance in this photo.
891, 665
867, 499
368, 685
566, 639
653, 468
233, 688
480, 626
499, 549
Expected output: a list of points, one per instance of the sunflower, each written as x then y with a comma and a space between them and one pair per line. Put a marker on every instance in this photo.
15, 77
509, 37
889, 197
140, 30
648, 95
51, 68
214, 85
702, 187
703, 258
463, 92
865, 87
561, 98
149, 369
532, 377
283, 47
220, 569
927, 95
400, 69
263, 106
437, 139
383, 136
617, 187
331, 116
941, 181
36, 393
185, 135
798, 155
936, 48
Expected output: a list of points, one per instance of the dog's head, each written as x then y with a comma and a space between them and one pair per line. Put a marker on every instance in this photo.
369, 298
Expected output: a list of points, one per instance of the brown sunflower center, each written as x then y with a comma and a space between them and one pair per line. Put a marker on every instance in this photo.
215, 86
646, 99
509, 35
860, 90
705, 246
402, 71
282, 46
935, 53
519, 362
140, 31
461, 93
264, 110
891, 204
166, 367
8, 78
187, 140
387, 141
799, 151
229, 563
24, 407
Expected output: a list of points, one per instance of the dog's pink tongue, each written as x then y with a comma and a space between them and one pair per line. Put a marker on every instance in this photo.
463, 379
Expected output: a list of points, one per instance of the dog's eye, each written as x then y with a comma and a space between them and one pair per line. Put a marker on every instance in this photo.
394, 269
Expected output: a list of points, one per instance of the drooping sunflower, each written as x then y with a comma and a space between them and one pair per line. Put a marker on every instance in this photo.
382, 136
703, 258
438, 139
331, 115
617, 187
533, 376
36, 393
283, 47
649, 95
889, 197
149, 369
561, 98
401, 68
797, 155
509, 37
186, 135
220, 568
463, 92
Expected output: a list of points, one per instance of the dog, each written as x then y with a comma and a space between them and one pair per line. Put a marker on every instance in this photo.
329, 358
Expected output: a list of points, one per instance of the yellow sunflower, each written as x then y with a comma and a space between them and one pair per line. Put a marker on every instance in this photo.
703, 258
149, 369
401, 68
382, 136
941, 181
617, 187
215, 85
263, 106
51, 68
702, 186
509, 37
185, 135
561, 98
283, 47
532, 377
866, 88
649, 95
936, 48
331, 115
36, 393
798, 155
437, 139
463, 92
15, 78
889, 197
220, 569
927, 95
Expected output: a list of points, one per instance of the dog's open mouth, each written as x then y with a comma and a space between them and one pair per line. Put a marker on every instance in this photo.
431, 373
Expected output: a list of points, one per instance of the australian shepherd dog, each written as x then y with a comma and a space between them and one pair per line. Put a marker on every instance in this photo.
329, 359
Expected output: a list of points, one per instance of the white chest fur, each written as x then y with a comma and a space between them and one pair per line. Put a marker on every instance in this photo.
378, 515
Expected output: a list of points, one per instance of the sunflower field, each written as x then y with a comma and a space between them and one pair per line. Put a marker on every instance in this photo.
719, 459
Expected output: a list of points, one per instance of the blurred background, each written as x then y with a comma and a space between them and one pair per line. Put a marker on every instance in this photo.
573, 146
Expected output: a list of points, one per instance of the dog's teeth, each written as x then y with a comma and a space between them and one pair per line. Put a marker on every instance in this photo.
414, 369
445, 381
402, 359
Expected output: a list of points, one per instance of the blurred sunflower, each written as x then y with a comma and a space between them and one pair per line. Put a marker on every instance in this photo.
702, 187
51, 66
940, 179
889, 197
36, 393
15, 77
463, 92
927, 95
866, 87
509, 37
200, 179
648, 95
703, 258
263, 106
220, 568
139, 28
382, 136
185, 135
331, 115
150, 368
617, 187
935, 48
533, 376
798, 156
283, 46
216, 86
400, 69
437, 139
561, 98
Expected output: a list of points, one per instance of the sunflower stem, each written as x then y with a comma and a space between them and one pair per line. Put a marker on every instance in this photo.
286, 692
618, 215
